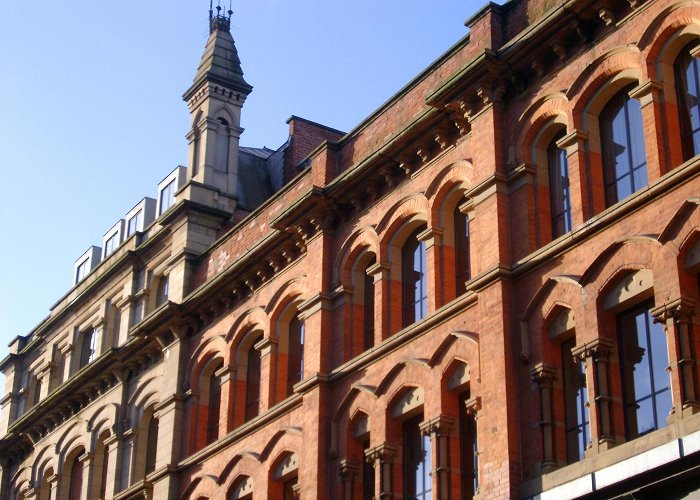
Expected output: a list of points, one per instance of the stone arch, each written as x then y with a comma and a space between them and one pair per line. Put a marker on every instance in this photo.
207, 350
294, 290
358, 399
103, 417
607, 73
43, 461
632, 253
254, 318
457, 175
204, 486
397, 375
363, 240
286, 439
243, 463
411, 207
556, 291
65, 440
549, 109
458, 345
670, 22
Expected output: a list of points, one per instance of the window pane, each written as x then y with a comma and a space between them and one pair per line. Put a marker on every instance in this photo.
645, 380
623, 148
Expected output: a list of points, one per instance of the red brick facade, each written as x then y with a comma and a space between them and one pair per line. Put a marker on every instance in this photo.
483, 366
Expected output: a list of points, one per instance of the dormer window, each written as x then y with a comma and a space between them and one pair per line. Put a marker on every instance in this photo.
168, 187
134, 223
167, 197
82, 270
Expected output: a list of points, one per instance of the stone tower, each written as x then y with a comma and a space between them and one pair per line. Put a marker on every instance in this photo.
215, 99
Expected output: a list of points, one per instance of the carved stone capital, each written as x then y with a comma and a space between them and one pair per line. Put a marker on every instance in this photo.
384, 453
543, 374
348, 469
473, 406
679, 310
599, 350
440, 426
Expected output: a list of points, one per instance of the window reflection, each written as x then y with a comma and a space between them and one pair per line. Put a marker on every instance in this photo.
559, 192
624, 155
687, 72
645, 380
414, 279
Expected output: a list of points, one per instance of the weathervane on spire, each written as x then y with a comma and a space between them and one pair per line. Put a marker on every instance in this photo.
219, 21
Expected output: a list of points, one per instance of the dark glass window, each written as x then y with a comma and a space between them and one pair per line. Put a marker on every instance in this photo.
417, 482
162, 291
252, 389
82, 271
295, 360
367, 476
559, 191
134, 223
414, 279
687, 72
624, 154
152, 445
76, 479
88, 348
214, 408
288, 489
368, 323
468, 451
105, 470
575, 403
37, 390
462, 250
167, 196
645, 380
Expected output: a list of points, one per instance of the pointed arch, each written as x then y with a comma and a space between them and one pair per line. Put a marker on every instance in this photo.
412, 207
287, 438
254, 318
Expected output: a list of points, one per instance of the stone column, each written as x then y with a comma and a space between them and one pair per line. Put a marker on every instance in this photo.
67, 353
382, 456
432, 237
113, 444
473, 408
380, 273
677, 320
583, 203
439, 429
596, 355
54, 485
87, 460
648, 96
266, 346
543, 376
170, 413
348, 470
226, 376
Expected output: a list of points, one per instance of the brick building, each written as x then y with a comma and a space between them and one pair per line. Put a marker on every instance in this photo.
486, 289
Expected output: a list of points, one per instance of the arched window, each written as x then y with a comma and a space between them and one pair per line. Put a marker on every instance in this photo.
687, 72
214, 406
295, 359
151, 445
252, 384
76, 479
88, 347
223, 139
559, 192
105, 470
624, 154
414, 279
462, 250
577, 421
368, 308
645, 382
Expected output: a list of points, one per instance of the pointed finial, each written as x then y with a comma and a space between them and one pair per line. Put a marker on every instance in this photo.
219, 21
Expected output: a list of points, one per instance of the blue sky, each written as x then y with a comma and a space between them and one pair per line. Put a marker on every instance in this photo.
92, 116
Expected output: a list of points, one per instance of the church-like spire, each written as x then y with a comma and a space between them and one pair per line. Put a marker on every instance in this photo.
220, 63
